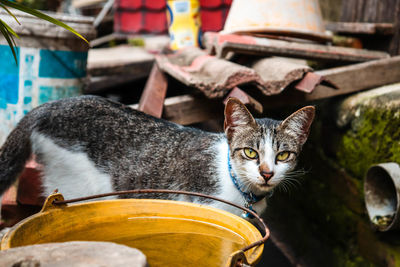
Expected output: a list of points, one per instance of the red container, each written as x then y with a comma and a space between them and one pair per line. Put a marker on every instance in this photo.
149, 16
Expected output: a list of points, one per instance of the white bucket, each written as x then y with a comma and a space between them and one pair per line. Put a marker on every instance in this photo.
297, 18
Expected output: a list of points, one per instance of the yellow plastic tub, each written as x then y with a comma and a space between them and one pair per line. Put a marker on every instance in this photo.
169, 233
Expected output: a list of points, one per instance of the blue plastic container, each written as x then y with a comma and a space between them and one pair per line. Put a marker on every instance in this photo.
51, 65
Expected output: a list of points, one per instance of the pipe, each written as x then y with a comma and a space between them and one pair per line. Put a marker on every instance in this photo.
382, 195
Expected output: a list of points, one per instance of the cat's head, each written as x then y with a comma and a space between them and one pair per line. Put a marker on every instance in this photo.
263, 151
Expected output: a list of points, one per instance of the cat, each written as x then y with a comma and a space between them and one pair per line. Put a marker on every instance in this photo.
90, 145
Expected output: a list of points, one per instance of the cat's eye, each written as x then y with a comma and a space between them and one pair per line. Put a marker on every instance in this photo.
250, 153
282, 156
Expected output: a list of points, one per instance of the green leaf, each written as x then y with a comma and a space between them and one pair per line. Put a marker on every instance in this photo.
9, 29
9, 12
9, 39
41, 16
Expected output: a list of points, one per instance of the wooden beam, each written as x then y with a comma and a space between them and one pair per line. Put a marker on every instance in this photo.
269, 47
349, 79
304, 51
120, 60
187, 109
359, 77
360, 28
153, 95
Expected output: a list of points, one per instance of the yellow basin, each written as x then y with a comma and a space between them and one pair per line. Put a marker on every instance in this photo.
169, 233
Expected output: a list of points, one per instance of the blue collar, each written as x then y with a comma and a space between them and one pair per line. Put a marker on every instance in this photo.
248, 196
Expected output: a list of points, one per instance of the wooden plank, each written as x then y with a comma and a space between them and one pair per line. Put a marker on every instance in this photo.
361, 76
120, 60
30, 185
349, 79
375, 11
10, 196
187, 109
360, 28
153, 95
267, 47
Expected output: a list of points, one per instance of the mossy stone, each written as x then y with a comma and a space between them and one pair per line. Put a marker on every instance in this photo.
371, 123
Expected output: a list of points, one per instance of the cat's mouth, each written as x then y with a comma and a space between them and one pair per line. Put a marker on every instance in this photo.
262, 188
264, 184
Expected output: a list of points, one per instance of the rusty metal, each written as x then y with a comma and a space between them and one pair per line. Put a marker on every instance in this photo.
238, 259
258, 219
382, 195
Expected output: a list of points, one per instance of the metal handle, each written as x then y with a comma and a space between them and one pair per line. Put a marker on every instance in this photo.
259, 221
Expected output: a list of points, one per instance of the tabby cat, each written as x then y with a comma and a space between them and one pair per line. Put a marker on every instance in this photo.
90, 145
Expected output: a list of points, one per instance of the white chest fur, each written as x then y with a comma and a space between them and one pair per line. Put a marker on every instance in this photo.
229, 191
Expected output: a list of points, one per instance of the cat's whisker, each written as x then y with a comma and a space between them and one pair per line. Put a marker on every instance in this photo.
293, 180
296, 173
248, 185
292, 184
282, 187
287, 184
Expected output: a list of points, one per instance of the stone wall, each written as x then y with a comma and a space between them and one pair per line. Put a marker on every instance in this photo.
323, 221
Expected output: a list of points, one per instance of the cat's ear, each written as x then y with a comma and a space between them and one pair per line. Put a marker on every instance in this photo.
236, 116
298, 124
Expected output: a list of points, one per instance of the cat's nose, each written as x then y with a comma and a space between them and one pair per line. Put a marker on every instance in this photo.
267, 175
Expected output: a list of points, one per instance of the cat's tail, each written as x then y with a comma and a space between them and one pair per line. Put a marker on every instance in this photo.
13, 155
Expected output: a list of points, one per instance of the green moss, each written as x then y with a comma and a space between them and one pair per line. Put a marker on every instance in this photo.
347, 260
352, 262
325, 214
394, 255
373, 138
136, 42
